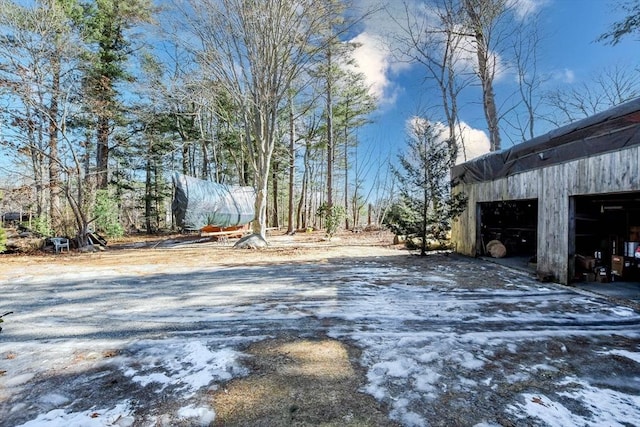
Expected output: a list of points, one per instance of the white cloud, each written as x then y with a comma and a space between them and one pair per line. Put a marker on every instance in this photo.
565, 76
374, 56
373, 61
476, 141
525, 8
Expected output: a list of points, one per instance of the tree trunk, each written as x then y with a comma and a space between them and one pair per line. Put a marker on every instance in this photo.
292, 168
301, 216
148, 209
37, 159
102, 154
263, 126
259, 225
346, 173
486, 69
275, 220
488, 97
206, 172
186, 168
425, 211
329, 131
157, 183
55, 209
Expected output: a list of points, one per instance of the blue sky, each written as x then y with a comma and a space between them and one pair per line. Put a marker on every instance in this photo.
569, 54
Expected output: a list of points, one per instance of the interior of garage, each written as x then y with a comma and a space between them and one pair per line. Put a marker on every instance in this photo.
607, 237
514, 224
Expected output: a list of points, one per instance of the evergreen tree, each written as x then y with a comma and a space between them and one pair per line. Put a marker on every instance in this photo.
628, 25
426, 207
107, 22
351, 112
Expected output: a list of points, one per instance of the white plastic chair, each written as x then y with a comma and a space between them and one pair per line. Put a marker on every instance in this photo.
59, 243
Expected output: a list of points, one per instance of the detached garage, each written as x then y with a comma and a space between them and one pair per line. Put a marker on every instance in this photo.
567, 202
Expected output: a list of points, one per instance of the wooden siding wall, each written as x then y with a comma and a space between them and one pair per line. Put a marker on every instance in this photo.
553, 186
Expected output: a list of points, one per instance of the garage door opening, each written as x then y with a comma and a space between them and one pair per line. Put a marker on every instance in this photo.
607, 237
514, 224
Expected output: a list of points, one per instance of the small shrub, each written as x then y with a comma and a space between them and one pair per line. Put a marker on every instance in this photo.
3, 240
333, 216
41, 226
106, 214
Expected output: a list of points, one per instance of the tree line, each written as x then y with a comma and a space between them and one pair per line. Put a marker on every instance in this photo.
102, 99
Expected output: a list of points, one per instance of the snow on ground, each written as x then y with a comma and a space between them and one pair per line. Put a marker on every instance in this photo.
444, 340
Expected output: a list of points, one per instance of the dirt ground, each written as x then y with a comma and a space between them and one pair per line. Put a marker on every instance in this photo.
354, 331
278, 390
198, 251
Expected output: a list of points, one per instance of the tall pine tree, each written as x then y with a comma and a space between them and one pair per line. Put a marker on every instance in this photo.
106, 26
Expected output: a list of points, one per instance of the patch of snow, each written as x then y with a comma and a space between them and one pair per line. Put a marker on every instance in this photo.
400, 367
18, 379
623, 311
154, 377
553, 414
518, 377
467, 382
189, 365
426, 381
120, 415
467, 360
544, 367
406, 416
197, 415
625, 353
428, 357
607, 407
54, 399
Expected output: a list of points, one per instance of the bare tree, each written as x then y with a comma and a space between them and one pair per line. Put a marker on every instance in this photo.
432, 38
38, 60
611, 86
292, 167
297, 110
526, 50
312, 148
353, 105
485, 26
255, 50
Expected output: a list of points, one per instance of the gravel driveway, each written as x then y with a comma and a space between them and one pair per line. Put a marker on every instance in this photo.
158, 337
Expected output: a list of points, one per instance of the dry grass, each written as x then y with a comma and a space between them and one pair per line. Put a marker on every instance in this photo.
302, 383
191, 250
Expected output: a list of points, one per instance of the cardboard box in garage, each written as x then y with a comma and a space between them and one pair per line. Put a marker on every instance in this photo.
587, 263
617, 265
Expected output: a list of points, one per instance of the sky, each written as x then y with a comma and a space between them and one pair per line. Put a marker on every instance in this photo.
570, 55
